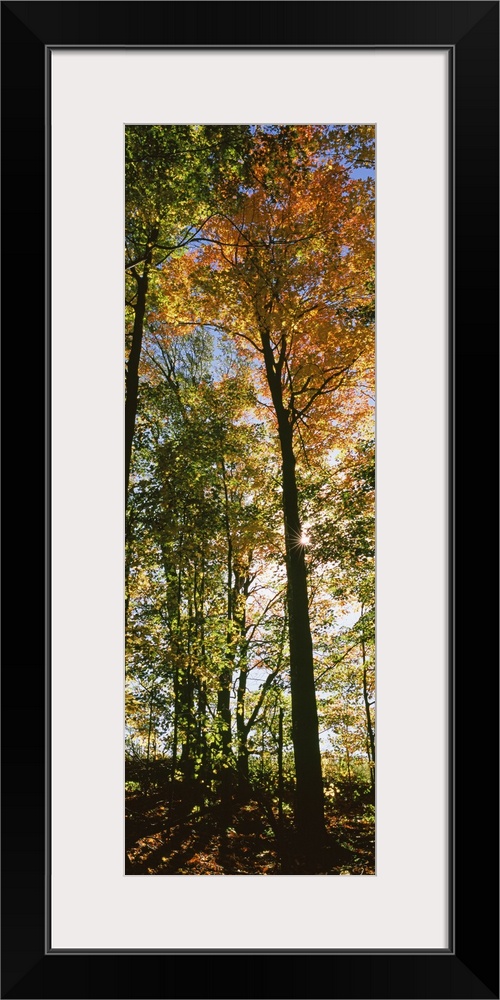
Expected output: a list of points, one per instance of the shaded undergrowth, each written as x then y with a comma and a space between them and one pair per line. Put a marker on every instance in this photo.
182, 838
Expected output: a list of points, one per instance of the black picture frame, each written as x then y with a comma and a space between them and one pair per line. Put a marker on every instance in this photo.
469, 969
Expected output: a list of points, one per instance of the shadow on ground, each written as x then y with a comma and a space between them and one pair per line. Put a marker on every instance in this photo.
206, 842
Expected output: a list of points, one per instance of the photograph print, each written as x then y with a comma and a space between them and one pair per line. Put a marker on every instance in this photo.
249, 555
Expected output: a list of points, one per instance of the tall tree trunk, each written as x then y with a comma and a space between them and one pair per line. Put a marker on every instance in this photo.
132, 374
369, 727
174, 745
128, 560
309, 782
242, 582
176, 648
199, 611
150, 727
224, 693
198, 714
309, 789
348, 759
280, 771
241, 729
187, 750
202, 769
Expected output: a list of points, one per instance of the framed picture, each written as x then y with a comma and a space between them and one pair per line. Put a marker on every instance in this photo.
426, 75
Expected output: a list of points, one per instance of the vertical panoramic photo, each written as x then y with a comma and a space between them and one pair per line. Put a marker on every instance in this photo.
250, 499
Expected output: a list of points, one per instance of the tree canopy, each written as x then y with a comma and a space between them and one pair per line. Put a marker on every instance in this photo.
250, 488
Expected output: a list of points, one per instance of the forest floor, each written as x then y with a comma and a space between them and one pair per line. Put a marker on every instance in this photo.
203, 842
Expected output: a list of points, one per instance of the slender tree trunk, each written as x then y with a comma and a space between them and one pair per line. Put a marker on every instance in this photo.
202, 684
202, 767
241, 590
309, 783
348, 759
150, 727
369, 727
187, 754
224, 693
199, 713
280, 771
224, 710
241, 729
174, 743
128, 560
176, 650
132, 374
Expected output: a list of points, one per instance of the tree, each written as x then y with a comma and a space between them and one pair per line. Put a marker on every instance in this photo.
175, 177
203, 531
290, 277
